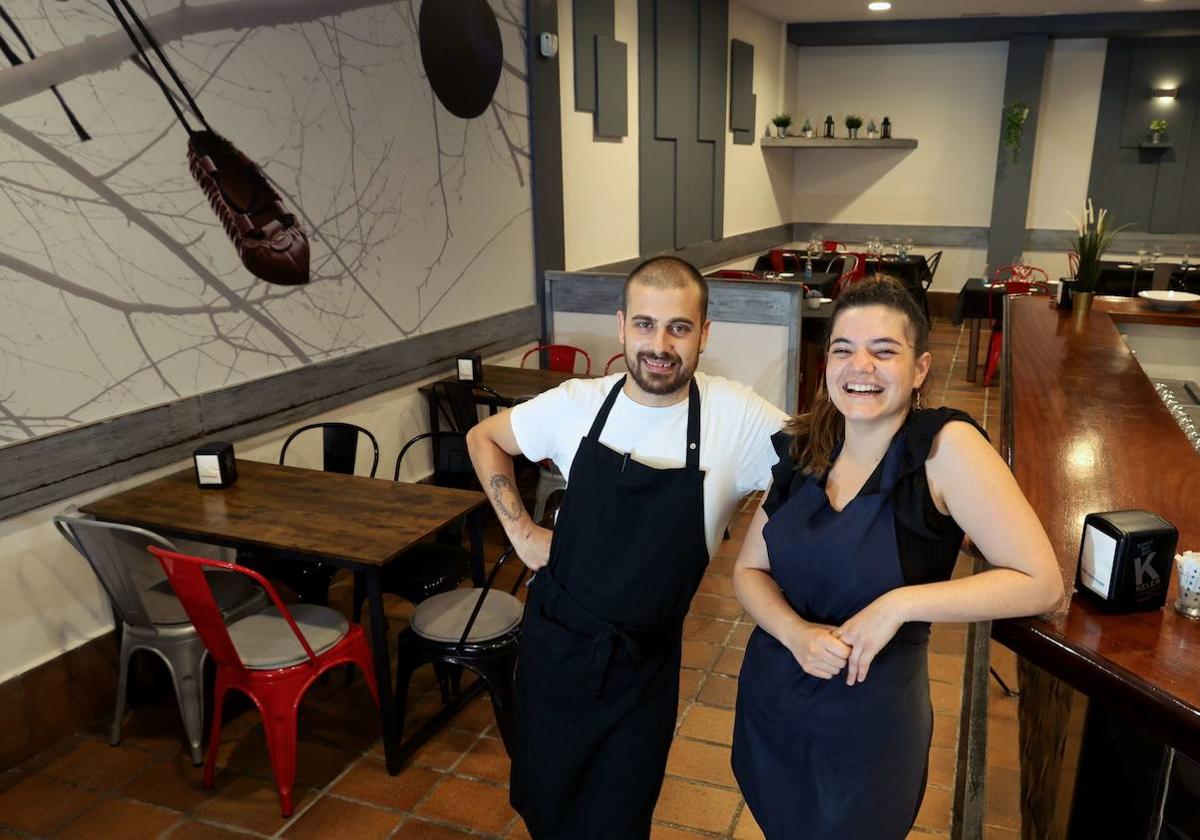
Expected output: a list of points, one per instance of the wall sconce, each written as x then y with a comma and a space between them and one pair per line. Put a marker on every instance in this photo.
1165, 93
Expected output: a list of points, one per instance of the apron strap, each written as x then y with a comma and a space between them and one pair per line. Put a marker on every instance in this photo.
693, 431
602, 415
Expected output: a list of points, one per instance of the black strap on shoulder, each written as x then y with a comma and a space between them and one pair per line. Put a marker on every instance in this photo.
693, 433
602, 415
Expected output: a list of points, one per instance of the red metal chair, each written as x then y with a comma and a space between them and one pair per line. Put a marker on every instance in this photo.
272, 657
854, 268
785, 260
1017, 280
611, 359
561, 357
833, 245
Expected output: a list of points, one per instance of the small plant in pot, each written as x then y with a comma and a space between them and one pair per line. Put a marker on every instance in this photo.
853, 124
1094, 235
782, 121
872, 131
1157, 129
807, 129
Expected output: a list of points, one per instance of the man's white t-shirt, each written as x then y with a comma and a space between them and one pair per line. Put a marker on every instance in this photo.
736, 425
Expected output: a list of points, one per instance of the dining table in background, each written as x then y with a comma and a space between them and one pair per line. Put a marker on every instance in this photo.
973, 305
357, 523
503, 387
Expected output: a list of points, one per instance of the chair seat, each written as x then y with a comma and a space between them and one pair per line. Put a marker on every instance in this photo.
264, 640
443, 617
228, 588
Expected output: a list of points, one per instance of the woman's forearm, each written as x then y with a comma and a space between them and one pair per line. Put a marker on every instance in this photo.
992, 594
763, 600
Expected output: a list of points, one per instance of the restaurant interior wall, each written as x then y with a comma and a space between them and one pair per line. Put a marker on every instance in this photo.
1062, 157
600, 175
946, 96
123, 292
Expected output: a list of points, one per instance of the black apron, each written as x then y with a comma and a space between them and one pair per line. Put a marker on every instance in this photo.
597, 686
818, 759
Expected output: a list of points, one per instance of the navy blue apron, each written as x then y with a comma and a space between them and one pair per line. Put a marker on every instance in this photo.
816, 758
597, 686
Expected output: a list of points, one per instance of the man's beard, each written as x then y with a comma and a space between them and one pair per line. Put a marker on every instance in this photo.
657, 383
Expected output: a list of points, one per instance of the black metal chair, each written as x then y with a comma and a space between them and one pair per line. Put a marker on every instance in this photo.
339, 453
441, 564
476, 629
927, 280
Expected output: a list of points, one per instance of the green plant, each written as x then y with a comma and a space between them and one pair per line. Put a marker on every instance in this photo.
782, 120
853, 121
871, 127
1014, 124
1158, 126
1094, 235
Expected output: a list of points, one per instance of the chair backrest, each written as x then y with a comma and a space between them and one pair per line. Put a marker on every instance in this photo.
854, 268
487, 586
456, 404
1073, 263
561, 357
117, 554
608, 365
451, 462
833, 245
932, 266
191, 585
339, 446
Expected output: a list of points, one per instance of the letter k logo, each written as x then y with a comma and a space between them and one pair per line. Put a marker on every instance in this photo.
1142, 567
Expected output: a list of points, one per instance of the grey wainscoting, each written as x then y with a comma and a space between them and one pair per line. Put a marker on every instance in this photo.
54, 467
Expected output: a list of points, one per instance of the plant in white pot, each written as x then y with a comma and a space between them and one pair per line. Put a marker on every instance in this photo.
782, 121
853, 124
1158, 128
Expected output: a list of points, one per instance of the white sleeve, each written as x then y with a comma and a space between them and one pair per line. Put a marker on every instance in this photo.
537, 424
760, 420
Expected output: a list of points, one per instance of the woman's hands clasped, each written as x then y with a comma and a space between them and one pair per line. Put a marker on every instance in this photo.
867, 632
817, 650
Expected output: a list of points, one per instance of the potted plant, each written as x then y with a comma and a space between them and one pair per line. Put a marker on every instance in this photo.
782, 121
853, 124
1014, 124
1157, 129
872, 131
807, 129
1094, 235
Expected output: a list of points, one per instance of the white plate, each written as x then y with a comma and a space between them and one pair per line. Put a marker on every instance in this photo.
1169, 301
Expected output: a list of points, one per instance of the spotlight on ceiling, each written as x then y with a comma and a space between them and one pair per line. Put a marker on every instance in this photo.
879, 6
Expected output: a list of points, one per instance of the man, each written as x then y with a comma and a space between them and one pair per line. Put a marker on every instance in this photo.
656, 460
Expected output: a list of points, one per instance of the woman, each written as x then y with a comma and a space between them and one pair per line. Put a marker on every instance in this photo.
844, 566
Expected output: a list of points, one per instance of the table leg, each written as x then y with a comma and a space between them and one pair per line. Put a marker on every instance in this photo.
973, 351
475, 534
383, 670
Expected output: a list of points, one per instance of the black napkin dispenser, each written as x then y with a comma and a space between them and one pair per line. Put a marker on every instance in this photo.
1125, 560
469, 368
215, 465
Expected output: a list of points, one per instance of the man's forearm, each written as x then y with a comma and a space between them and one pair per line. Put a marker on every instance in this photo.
494, 467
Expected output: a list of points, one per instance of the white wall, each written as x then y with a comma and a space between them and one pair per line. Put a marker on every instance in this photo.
947, 96
50, 602
758, 183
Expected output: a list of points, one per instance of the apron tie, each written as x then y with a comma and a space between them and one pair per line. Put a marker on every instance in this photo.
602, 649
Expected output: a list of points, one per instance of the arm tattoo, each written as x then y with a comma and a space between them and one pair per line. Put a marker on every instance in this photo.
511, 509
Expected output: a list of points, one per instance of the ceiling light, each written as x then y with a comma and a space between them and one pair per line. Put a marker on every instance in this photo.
879, 6
1165, 93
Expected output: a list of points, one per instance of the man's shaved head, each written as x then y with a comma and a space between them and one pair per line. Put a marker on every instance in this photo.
668, 273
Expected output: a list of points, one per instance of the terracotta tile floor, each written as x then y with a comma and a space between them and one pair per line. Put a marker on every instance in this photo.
456, 786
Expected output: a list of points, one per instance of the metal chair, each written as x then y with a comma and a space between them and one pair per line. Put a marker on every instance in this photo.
477, 629
1019, 279
151, 617
608, 365
854, 268
927, 281
310, 580
561, 357
272, 657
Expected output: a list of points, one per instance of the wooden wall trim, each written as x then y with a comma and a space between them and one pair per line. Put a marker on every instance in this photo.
48, 469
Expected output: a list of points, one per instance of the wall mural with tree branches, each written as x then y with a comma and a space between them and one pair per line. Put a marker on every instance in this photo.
119, 287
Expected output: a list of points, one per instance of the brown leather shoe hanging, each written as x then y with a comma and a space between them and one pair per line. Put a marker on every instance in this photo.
268, 240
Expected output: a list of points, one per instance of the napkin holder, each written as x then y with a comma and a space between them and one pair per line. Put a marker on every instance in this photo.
1125, 560
215, 465
470, 369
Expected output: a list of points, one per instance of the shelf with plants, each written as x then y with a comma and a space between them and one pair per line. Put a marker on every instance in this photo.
836, 143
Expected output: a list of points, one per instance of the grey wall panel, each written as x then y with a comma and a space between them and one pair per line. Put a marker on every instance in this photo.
656, 158
590, 18
1010, 197
545, 129
1151, 189
741, 86
705, 254
675, 36
612, 107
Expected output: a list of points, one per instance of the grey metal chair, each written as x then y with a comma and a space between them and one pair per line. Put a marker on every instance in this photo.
151, 616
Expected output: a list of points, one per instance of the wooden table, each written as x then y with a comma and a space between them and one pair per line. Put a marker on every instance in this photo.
1084, 431
504, 387
361, 524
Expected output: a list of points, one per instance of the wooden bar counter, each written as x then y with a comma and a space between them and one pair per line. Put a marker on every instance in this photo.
1084, 431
